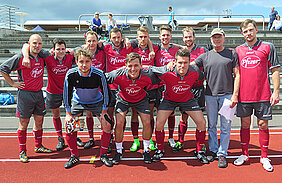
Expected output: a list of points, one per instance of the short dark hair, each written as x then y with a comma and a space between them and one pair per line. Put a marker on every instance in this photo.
58, 41
170, 7
83, 51
115, 30
132, 56
247, 22
183, 52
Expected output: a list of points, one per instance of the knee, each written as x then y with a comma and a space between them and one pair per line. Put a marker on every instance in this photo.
263, 126
107, 128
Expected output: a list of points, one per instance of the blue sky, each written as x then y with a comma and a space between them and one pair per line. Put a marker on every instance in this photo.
71, 9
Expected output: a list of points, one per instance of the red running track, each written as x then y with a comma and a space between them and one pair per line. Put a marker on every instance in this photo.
175, 167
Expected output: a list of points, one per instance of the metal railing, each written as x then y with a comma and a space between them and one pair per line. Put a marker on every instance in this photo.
220, 16
7, 17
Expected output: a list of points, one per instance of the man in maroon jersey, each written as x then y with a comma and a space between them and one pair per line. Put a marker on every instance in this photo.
198, 87
164, 55
30, 97
57, 66
178, 85
142, 45
132, 82
256, 58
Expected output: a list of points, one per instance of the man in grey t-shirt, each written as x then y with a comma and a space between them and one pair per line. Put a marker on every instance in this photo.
219, 66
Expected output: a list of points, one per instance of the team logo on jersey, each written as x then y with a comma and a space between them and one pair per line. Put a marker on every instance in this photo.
36, 72
165, 61
96, 65
180, 89
117, 60
145, 58
60, 70
132, 91
250, 61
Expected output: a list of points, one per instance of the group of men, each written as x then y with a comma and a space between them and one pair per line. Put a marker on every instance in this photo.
119, 75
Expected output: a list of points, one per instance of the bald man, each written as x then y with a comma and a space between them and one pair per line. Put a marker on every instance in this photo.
30, 97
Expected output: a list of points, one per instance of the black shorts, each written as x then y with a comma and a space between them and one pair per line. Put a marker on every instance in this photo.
263, 110
30, 102
141, 106
190, 105
77, 108
113, 96
154, 96
53, 101
199, 95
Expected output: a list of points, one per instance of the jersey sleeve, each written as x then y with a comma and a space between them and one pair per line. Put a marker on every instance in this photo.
196, 68
235, 59
44, 53
273, 57
199, 61
134, 43
111, 76
154, 78
11, 64
67, 92
105, 91
159, 71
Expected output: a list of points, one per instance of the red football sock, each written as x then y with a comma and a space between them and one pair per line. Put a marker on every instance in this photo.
160, 139
38, 137
152, 125
90, 125
22, 140
171, 125
105, 141
264, 141
71, 140
134, 129
245, 140
200, 139
58, 126
182, 128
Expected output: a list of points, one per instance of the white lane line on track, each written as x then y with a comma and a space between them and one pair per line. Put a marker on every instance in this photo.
126, 159
55, 136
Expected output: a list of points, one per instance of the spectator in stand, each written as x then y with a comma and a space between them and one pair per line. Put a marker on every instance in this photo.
171, 21
97, 24
277, 24
272, 17
111, 23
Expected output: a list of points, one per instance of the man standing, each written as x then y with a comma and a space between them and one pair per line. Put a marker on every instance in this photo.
82, 92
198, 87
57, 66
132, 82
220, 64
177, 94
142, 46
256, 59
171, 18
164, 55
30, 97
272, 17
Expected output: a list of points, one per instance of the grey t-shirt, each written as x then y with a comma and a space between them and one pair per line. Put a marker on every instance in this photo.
218, 70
